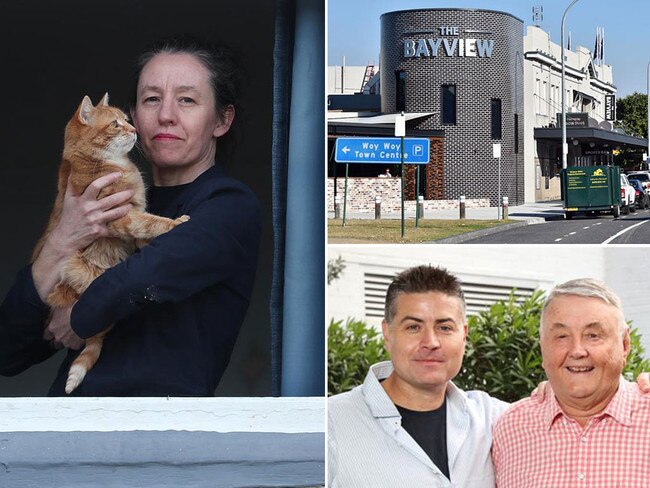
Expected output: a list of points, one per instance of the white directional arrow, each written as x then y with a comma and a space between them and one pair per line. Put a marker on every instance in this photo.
345, 149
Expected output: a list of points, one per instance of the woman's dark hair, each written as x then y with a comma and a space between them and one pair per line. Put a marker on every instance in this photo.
224, 68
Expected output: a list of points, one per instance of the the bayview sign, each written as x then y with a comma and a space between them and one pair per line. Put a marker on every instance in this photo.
468, 47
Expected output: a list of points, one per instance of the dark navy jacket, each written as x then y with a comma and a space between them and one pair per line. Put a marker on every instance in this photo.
177, 304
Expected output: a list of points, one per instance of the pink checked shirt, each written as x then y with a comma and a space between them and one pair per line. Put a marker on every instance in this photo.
536, 445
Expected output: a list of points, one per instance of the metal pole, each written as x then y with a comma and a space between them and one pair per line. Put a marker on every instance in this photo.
417, 197
499, 196
648, 134
345, 193
401, 152
565, 148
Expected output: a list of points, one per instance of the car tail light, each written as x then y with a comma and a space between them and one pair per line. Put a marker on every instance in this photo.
623, 193
637, 192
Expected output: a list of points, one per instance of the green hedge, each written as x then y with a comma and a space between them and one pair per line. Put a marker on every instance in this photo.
351, 350
502, 356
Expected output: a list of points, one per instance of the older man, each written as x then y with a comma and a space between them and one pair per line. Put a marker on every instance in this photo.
593, 428
408, 425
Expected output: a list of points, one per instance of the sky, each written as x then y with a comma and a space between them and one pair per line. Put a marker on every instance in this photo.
353, 30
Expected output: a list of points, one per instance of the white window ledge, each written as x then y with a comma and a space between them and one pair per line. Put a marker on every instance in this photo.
162, 442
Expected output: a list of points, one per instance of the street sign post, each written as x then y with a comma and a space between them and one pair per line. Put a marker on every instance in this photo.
382, 150
400, 131
496, 152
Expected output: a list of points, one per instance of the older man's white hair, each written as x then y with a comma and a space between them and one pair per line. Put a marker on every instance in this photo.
587, 287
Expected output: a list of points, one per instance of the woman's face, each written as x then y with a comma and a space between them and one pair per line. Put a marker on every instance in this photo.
176, 117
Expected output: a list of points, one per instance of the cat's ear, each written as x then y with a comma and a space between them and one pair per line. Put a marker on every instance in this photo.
104, 100
84, 110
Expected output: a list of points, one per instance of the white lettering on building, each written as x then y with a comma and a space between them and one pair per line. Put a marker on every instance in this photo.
429, 48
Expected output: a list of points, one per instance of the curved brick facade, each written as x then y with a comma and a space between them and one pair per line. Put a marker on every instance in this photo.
461, 56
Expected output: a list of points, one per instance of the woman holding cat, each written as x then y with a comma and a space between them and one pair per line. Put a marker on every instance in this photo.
178, 303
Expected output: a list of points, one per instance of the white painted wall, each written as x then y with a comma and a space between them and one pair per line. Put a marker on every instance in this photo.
542, 266
352, 78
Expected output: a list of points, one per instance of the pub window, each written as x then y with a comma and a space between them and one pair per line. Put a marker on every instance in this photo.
449, 104
400, 91
496, 118
516, 133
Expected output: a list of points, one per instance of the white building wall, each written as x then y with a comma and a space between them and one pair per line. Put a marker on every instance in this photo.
350, 76
538, 266
543, 97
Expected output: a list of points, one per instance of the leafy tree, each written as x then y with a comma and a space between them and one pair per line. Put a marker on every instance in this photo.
334, 269
632, 114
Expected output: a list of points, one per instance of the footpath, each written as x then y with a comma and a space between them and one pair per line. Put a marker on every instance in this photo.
532, 212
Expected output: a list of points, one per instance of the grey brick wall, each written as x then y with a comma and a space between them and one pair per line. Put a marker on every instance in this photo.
469, 168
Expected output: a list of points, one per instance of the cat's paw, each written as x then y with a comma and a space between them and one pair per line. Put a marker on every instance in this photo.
181, 219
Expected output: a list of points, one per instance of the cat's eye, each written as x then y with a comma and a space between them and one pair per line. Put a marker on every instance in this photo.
115, 124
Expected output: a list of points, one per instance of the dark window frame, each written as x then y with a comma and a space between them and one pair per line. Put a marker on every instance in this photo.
516, 133
400, 90
449, 104
496, 119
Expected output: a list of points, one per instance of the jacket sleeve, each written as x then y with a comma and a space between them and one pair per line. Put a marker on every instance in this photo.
22, 319
219, 244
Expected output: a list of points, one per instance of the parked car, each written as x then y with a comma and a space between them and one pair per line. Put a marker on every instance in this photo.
628, 196
642, 199
643, 176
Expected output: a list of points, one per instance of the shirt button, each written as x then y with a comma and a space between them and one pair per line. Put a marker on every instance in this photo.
581, 476
583, 439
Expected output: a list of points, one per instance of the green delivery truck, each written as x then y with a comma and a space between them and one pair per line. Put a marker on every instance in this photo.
591, 189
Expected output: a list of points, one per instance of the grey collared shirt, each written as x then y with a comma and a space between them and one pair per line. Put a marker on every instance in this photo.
367, 446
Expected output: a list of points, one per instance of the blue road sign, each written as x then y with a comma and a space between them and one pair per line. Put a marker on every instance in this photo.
380, 150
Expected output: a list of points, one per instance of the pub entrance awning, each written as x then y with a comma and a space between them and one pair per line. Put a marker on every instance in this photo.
591, 134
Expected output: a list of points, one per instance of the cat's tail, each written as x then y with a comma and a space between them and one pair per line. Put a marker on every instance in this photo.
85, 361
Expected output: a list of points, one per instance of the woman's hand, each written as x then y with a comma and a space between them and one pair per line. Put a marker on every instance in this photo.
59, 333
83, 219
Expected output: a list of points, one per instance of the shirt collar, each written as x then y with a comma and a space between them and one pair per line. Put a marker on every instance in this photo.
380, 403
619, 407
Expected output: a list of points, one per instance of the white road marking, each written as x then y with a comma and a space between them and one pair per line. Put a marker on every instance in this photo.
572, 233
586, 227
622, 232
558, 240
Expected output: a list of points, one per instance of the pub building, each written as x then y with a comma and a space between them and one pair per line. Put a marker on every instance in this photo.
468, 79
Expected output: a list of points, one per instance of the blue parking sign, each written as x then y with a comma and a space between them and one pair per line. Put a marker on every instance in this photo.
381, 150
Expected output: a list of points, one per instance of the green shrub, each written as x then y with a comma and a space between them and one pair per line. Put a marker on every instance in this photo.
351, 350
503, 356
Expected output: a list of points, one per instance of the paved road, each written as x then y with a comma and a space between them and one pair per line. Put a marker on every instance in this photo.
633, 228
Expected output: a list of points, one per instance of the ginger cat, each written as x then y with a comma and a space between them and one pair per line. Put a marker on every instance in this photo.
97, 141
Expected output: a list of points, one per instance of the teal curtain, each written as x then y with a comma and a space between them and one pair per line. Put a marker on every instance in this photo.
298, 294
